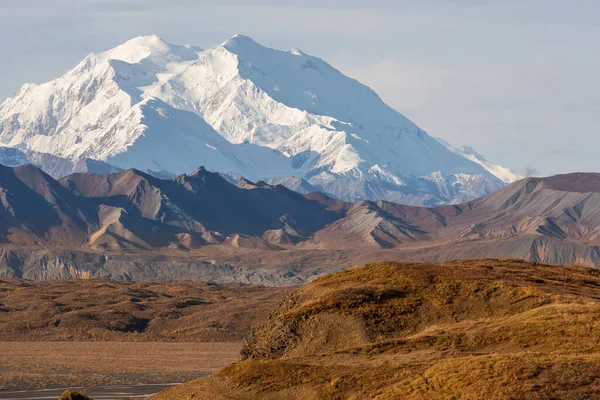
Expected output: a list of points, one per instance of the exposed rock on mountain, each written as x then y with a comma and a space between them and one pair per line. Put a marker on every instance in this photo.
134, 210
249, 226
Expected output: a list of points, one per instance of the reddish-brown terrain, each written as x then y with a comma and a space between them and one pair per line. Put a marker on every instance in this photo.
99, 310
97, 332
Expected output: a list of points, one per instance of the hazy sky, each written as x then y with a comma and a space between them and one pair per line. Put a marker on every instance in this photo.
517, 80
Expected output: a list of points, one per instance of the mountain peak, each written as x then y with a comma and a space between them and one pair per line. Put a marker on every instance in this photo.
149, 42
203, 173
240, 42
200, 171
146, 40
137, 49
150, 46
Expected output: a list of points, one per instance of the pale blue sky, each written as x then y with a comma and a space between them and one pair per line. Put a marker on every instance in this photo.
517, 80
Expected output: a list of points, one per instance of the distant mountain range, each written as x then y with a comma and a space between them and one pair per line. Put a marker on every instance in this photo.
554, 219
240, 109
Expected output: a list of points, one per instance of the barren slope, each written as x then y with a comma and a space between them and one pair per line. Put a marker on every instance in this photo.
84, 223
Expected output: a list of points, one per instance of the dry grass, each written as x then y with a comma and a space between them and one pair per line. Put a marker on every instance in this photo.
44, 327
97, 310
481, 329
76, 364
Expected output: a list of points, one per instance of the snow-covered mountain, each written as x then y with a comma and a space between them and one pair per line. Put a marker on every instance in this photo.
504, 174
243, 109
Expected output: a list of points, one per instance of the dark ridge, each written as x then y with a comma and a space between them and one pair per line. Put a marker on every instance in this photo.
133, 210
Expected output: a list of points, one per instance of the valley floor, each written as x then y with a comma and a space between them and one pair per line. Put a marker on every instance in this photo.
96, 392
37, 365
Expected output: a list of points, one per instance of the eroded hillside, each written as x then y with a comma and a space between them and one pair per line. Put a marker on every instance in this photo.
92, 223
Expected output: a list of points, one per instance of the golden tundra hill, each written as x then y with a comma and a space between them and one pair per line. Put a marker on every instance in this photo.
479, 329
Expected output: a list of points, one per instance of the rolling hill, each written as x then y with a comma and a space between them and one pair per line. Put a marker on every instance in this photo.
477, 329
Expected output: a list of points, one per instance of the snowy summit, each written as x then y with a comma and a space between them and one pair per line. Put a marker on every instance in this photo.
240, 109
